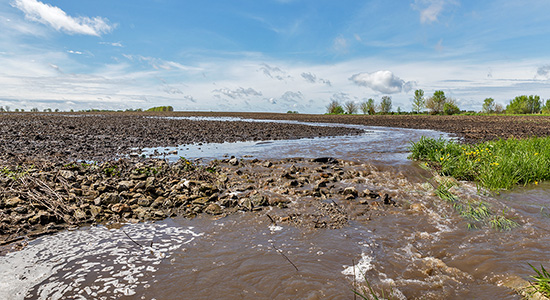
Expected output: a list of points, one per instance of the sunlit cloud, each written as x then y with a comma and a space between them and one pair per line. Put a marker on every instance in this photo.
56, 18
382, 81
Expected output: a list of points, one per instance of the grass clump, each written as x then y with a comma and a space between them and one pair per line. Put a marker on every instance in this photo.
476, 212
541, 283
495, 165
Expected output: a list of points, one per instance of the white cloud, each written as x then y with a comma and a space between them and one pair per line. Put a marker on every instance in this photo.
340, 44
382, 81
312, 78
59, 20
544, 71
238, 93
116, 44
274, 72
431, 9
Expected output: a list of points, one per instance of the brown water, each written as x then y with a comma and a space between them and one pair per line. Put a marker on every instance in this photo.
420, 250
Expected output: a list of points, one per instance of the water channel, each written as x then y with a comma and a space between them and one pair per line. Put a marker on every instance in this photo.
413, 254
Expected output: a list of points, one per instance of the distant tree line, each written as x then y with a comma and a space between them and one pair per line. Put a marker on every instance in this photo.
439, 104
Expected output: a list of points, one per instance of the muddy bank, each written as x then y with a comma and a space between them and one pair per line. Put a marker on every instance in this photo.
469, 128
42, 199
25, 137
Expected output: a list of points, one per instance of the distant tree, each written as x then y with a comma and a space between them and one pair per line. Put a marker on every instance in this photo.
350, 107
398, 110
385, 104
488, 105
17, 110
292, 112
370, 106
22, 110
524, 105
334, 107
34, 109
418, 102
7, 108
450, 107
546, 108
161, 108
57, 110
72, 110
436, 102
2, 109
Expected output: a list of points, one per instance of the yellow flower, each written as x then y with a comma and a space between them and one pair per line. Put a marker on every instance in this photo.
536, 183
537, 153
441, 158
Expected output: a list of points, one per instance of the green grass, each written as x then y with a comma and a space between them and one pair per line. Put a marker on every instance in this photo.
494, 165
541, 281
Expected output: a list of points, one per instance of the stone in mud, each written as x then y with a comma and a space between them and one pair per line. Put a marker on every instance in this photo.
120, 208
388, 200
277, 200
228, 202
213, 209
124, 186
21, 210
14, 201
325, 160
95, 210
79, 214
159, 202
41, 218
267, 164
259, 200
350, 191
145, 202
246, 204
142, 176
234, 161
68, 175
109, 198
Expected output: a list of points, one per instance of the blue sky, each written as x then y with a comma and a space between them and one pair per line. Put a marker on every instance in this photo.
268, 55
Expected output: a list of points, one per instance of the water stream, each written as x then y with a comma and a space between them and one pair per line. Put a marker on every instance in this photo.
423, 253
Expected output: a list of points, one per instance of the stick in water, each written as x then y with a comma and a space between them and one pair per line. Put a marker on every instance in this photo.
131, 239
281, 252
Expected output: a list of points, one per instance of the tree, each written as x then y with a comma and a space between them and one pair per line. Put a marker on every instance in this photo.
2, 109
436, 102
546, 108
334, 107
450, 107
419, 102
488, 105
350, 107
385, 104
524, 105
368, 106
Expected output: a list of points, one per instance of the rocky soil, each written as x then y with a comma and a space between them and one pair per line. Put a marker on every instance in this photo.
41, 199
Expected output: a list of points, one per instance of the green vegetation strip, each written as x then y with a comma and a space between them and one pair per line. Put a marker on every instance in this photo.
494, 165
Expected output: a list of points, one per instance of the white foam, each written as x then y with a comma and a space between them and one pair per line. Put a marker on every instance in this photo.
90, 262
360, 268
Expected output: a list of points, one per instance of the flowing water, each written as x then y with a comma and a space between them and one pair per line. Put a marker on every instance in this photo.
422, 252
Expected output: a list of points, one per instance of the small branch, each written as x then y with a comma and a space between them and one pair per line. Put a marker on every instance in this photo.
272, 221
131, 239
281, 252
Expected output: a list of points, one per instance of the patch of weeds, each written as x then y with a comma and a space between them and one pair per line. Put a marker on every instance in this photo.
541, 281
371, 294
493, 165
187, 164
17, 172
477, 213
111, 170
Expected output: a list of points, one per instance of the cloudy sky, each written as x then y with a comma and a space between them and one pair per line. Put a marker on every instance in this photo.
269, 55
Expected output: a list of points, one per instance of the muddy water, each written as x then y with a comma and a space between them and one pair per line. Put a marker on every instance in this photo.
421, 249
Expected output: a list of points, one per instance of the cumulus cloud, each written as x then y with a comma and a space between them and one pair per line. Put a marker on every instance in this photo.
382, 81
59, 20
273, 72
544, 71
430, 9
238, 93
312, 78
293, 97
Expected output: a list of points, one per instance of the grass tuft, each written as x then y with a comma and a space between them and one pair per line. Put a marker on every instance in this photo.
495, 165
541, 282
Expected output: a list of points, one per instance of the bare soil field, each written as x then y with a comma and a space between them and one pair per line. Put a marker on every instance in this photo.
470, 128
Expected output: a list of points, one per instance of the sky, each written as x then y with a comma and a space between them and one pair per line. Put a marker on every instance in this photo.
269, 55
